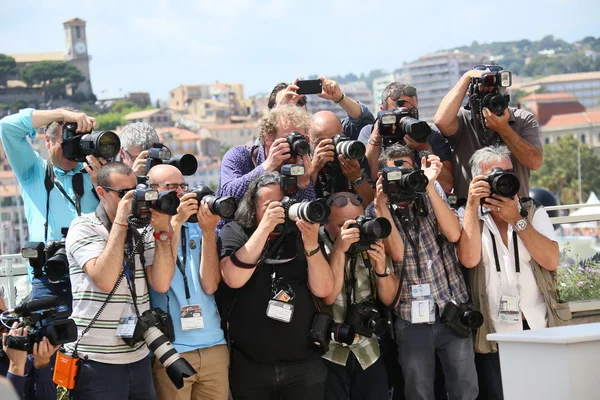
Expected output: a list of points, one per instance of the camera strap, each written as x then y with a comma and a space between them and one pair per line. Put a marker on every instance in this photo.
516, 251
439, 238
182, 269
414, 243
50, 181
350, 281
131, 249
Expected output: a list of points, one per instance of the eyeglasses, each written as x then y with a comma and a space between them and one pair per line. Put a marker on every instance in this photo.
492, 68
171, 186
131, 156
342, 201
119, 192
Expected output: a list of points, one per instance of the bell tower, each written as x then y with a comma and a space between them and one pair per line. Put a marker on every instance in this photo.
77, 52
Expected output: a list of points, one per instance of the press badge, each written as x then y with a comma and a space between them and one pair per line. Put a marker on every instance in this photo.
127, 322
191, 317
508, 310
280, 308
422, 309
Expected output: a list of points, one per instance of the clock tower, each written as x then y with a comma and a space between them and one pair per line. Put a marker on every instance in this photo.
77, 52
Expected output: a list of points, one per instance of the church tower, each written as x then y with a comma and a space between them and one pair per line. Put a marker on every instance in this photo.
77, 52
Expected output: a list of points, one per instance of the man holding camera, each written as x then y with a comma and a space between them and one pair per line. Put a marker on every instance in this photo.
433, 292
361, 274
487, 121
190, 302
111, 264
395, 97
54, 191
136, 139
337, 159
509, 246
274, 268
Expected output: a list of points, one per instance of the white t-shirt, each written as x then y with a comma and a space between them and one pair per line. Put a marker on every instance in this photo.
532, 302
86, 240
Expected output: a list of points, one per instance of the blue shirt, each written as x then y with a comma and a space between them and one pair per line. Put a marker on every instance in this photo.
211, 334
30, 170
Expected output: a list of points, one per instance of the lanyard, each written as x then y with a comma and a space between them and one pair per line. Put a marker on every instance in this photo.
414, 243
516, 251
183, 267
77, 202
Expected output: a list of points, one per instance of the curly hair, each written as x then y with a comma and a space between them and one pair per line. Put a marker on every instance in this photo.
283, 117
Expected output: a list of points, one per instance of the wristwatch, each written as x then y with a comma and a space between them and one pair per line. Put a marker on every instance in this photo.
388, 271
162, 236
520, 225
357, 182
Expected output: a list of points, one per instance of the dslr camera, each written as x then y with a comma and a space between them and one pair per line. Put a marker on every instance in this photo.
145, 199
313, 211
461, 319
155, 327
298, 144
49, 260
502, 183
34, 316
160, 154
492, 99
365, 319
76, 147
223, 206
324, 329
350, 149
406, 122
371, 229
402, 183
288, 176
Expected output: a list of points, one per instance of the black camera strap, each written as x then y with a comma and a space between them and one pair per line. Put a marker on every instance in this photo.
350, 280
516, 251
414, 243
51, 181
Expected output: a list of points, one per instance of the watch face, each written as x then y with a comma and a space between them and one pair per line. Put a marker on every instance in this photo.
521, 224
79, 47
164, 236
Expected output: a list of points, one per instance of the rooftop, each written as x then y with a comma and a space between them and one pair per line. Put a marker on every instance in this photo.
549, 97
580, 118
37, 57
579, 76
72, 20
177, 133
142, 114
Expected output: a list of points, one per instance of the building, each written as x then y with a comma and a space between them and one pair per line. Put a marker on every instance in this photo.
209, 111
585, 86
156, 117
435, 74
182, 96
231, 94
142, 99
208, 173
357, 90
13, 225
546, 105
233, 134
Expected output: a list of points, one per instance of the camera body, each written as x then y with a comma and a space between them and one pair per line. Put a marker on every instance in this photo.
160, 154
298, 144
493, 100
156, 318
145, 199
406, 122
461, 319
371, 229
223, 206
402, 184
288, 176
366, 319
76, 147
350, 149
324, 329
49, 260
503, 183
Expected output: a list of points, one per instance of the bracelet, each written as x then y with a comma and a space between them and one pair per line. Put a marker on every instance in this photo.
374, 142
342, 99
312, 253
240, 264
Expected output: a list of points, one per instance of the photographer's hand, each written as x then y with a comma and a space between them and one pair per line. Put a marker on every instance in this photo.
324, 153
304, 180
496, 123
139, 165
350, 168
92, 166
432, 171
331, 90
381, 199
377, 257
310, 234
506, 208
160, 222
42, 352
348, 236
84, 122
278, 153
290, 97
124, 209
17, 358
188, 206
478, 189
413, 144
207, 221
274, 215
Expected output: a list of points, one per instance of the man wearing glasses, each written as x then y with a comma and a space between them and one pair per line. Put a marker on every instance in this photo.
470, 130
136, 139
356, 371
190, 301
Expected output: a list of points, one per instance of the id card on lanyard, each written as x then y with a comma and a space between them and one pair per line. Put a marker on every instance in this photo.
190, 314
509, 309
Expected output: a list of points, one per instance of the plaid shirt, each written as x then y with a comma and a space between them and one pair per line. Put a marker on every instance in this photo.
365, 349
431, 263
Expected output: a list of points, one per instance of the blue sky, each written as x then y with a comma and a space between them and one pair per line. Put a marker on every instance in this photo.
156, 45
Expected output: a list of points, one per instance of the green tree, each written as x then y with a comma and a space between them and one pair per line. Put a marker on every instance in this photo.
109, 121
8, 67
224, 149
17, 105
52, 76
559, 170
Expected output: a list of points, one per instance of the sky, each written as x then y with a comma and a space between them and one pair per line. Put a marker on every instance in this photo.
156, 45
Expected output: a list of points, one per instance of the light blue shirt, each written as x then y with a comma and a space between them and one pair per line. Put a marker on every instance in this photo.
211, 334
30, 170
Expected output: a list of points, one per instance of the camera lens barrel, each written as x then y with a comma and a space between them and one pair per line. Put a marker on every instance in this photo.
186, 163
167, 203
315, 211
417, 130
351, 149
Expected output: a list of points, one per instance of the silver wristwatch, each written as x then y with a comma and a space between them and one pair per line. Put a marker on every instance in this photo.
388, 271
520, 225
357, 182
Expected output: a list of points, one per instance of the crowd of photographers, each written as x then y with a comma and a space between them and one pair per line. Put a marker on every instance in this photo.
354, 259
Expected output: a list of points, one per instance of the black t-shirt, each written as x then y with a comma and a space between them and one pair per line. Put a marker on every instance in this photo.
250, 330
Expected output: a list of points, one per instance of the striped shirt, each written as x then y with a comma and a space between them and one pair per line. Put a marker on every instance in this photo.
86, 240
365, 349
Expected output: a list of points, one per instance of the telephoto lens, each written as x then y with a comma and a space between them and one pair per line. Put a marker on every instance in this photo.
315, 211
350, 149
76, 146
223, 206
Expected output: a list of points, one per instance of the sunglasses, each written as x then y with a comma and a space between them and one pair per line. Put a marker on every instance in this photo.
492, 68
171, 186
119, 192
342, 201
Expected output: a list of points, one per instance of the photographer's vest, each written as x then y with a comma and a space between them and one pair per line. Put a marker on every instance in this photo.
559, 314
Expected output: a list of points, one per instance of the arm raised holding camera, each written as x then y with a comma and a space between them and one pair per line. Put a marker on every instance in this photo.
320, 275
447, 219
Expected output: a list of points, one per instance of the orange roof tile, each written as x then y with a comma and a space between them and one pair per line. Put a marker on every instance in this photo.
548, 96
581, 118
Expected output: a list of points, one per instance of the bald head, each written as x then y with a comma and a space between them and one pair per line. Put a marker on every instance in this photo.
166, 175
324, 125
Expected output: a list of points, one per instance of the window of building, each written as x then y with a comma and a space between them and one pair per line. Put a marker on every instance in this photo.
583, 138
151, 119
547, 140
77, 32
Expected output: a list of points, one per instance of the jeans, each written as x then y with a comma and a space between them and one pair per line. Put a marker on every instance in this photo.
100, 381
352, 382
417, 347
293, 380
490, 379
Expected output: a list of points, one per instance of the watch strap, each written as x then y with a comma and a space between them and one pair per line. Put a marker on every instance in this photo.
385, 274
159, 235
312, 253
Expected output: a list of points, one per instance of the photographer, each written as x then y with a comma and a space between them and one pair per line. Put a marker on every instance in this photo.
136, 139
431, 283
394, 96
200, 340
509, 291
277, 276
471, 129
54, 190
333, 171
111, 265
356, 371
31, 376
358, 114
